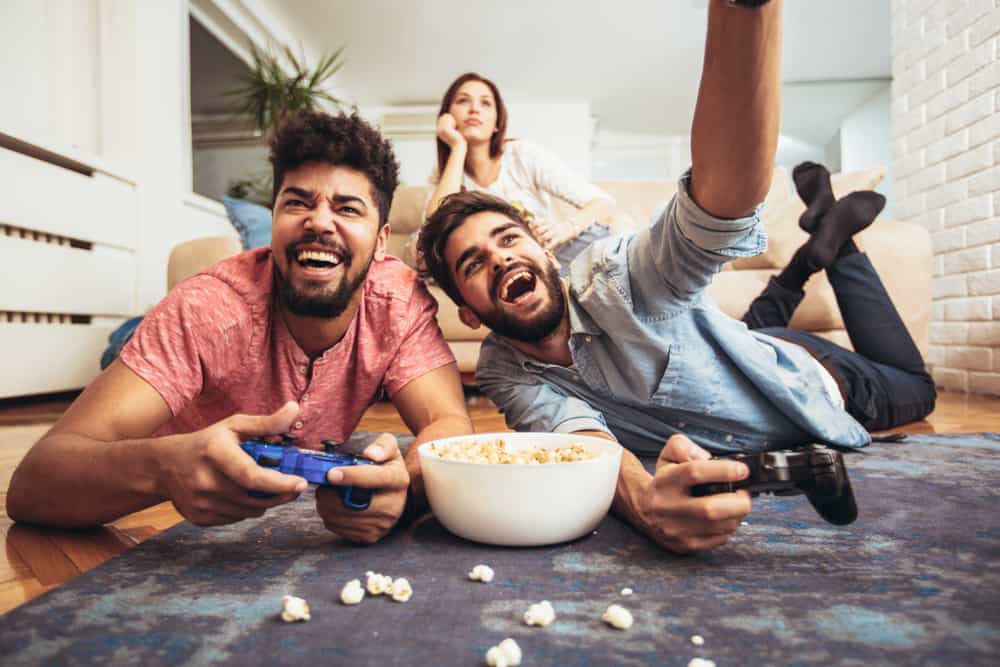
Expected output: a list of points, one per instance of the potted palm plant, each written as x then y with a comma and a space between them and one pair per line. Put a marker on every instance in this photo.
270, 93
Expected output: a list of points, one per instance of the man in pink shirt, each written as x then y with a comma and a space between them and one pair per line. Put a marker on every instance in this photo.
300, 337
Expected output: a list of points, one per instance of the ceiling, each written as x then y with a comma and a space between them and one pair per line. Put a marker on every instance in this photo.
637, 62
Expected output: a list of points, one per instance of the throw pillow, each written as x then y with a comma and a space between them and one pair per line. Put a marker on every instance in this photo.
252, 222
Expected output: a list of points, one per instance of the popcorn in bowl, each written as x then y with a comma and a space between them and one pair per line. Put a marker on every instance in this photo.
520, 489
496, 452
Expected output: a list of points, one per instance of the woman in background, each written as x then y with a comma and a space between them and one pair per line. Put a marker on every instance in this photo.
474, 154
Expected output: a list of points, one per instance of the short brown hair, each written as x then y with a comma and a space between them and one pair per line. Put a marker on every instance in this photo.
496, 141
454, 210
341, 140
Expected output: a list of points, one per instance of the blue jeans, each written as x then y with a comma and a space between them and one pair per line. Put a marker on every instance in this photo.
567, 251
884, 381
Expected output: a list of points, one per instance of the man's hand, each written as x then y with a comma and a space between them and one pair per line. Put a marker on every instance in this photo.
677, 520
388, 481
208, 476
447, 131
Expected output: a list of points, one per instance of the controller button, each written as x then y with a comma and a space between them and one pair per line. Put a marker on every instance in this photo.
268, 461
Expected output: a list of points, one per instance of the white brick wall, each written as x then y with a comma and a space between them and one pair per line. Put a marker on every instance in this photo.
946, 140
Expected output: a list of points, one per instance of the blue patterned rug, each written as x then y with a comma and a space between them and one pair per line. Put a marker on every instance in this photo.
915, 581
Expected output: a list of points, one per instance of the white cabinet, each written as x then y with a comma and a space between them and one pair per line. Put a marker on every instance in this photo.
67, 271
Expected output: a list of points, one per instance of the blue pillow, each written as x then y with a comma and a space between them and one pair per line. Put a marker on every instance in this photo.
117, 340
252, 221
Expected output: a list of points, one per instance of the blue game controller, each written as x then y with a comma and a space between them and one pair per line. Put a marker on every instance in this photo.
313, 466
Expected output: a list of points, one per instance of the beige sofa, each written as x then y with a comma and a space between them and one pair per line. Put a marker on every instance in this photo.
900, 251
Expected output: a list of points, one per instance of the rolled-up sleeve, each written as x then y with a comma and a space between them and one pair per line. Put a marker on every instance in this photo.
527, 402
685, 246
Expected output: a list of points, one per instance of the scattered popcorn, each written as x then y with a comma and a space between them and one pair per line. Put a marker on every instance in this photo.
483, 573
540, 614
697, 640
400, 591
377, 584
701, 662
295, 609
352, 593
505, 654
626, 591
495, 451
618, 616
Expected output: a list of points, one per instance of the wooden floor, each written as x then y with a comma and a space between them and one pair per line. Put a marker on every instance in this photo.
34, 560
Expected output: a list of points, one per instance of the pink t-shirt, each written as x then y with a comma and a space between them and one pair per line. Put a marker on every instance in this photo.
215, 347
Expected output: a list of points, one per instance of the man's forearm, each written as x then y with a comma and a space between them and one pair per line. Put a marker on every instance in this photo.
632, 482
440, 428
72, 481
738, 114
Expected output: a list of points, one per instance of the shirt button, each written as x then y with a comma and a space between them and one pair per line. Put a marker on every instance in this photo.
305, 396
304, 369
587, 338
681, 425
729, 438
297, 425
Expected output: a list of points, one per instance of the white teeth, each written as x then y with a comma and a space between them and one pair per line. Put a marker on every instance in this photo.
318, 256
505, 288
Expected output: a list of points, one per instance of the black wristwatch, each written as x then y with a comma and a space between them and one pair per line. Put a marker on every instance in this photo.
747, 3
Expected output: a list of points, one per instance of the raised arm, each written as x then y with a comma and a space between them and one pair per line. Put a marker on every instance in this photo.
450, 180
735, 131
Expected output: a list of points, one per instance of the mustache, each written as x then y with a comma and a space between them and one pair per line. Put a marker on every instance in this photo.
314, 239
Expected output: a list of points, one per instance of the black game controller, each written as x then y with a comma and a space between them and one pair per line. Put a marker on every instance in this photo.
286, 458
815, 470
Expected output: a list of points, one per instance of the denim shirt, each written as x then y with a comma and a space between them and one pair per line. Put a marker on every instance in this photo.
654, 356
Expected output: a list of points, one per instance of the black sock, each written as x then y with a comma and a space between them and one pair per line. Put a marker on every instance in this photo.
794, 276
848, 216
849, 248
812, 182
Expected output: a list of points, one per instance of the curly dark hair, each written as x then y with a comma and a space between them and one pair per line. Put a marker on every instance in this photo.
454, 210
342, 140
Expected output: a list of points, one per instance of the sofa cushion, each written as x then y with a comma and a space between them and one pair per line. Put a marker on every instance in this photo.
407, 212
781, 219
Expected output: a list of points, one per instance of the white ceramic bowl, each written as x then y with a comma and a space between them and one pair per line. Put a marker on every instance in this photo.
522, 504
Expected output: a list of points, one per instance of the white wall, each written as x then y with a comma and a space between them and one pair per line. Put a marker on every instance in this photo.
946, 156
865, 141
48, 54
215, 167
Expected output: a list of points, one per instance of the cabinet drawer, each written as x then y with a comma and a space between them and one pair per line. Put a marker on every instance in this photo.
48, 278
43, 358
48, 198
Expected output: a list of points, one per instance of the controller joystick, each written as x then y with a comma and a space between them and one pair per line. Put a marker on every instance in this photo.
814, 470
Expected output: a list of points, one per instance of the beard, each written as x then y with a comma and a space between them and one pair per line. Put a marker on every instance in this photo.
541, 324
319, 300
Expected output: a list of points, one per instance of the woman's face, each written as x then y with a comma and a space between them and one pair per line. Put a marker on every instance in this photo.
475, 111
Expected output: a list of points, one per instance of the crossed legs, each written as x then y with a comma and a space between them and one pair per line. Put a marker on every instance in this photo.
884, 379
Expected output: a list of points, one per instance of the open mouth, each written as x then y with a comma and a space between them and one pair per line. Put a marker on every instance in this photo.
318, 259
517, 285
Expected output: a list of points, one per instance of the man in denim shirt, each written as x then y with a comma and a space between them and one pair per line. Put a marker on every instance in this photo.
635, 349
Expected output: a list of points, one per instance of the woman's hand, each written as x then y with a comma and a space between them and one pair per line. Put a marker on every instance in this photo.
551, 234
447, 131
